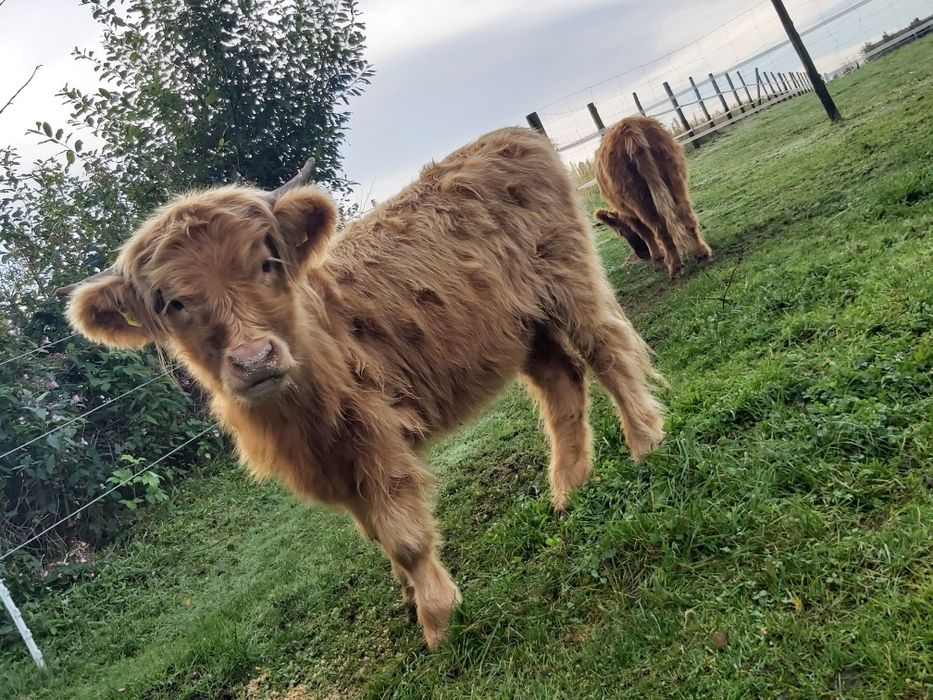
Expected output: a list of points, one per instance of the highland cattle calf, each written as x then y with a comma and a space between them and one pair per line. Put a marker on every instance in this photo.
332, 358
642, 173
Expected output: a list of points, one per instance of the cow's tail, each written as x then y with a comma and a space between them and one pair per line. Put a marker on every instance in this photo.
639, 153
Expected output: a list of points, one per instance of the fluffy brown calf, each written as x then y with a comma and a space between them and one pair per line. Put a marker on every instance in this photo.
642, 173
333, 359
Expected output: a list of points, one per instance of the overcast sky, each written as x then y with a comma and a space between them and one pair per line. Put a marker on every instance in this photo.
450, 70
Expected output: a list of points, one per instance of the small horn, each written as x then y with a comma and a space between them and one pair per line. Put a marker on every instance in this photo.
297, 181
64, 292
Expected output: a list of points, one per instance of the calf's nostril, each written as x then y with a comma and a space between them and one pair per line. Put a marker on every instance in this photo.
250, 355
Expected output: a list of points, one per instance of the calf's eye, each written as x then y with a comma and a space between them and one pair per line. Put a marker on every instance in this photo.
176, 305
267, 265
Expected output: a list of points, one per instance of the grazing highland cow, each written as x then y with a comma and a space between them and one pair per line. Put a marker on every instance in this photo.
642, 173
333, 359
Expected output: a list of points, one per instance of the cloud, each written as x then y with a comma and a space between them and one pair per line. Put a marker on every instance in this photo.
397, 27
34, 33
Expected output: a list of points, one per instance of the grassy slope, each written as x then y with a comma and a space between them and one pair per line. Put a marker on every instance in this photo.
787, 519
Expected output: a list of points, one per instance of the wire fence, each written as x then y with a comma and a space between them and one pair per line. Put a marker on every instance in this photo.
109, 491
716, 69
44, 346
108, 402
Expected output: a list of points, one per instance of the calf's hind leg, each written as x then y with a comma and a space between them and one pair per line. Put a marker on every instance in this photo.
558, 381
615, 352
698, 245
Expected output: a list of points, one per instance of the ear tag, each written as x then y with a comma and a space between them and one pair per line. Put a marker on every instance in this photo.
130, 319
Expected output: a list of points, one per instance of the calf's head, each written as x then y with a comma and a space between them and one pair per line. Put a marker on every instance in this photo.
218, 278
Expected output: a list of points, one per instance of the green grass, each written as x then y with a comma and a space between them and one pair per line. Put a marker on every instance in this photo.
778, 545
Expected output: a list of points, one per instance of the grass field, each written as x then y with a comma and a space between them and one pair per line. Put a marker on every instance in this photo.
778, 546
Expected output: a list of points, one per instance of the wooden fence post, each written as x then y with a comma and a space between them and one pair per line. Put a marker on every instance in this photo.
770, 86
638, 104
758, 85
747, 93
819, 86
696, 91
680, 113
722, 99
782, 90
534, 121
597, 120
783, 82
735, 93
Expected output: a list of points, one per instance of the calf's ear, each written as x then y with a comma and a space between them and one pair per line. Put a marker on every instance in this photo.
307, 218
107, 311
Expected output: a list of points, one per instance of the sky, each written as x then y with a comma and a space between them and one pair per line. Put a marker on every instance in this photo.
448, 71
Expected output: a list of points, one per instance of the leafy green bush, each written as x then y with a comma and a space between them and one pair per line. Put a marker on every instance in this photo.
135, 415
192, 93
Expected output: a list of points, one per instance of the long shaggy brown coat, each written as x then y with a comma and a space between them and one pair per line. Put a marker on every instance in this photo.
642, 173
333, 359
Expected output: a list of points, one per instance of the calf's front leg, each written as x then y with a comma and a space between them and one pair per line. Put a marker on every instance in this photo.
394, 511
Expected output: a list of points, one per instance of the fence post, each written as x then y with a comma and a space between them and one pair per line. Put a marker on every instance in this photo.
747, 93
794, 82
680, 112
758, 85
773, 81
806, 82
777, 81
722, 99
696, 91
770, 86
783, 82
818, 85
534, 121
600, 127
735, 93
638, 104
21, 625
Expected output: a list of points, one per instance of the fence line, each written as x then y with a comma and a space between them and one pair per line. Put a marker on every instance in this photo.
35, 350
902, 38
690, 134
109, 491
779, 91
644, 65
754, 37
106, 403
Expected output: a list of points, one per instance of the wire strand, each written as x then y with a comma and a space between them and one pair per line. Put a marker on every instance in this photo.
87, 413
109, 491
35, 350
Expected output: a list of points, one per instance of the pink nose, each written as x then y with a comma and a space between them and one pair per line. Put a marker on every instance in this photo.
249, 357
